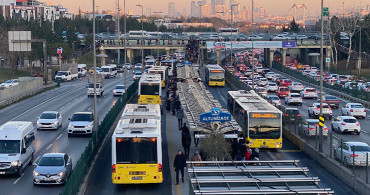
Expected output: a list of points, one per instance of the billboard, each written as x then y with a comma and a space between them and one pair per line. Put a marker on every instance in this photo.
19, 40
248, 44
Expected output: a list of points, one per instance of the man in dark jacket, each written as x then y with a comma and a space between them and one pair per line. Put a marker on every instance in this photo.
186, 140
179, 164
180, 116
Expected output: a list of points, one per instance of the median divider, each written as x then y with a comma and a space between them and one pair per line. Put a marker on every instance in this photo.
83, 165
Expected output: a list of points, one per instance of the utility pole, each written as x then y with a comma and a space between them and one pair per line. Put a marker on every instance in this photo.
253, 46
124, 45
359, 53
142, 34
321, 70
232, 28
96, 122
158, 37
119, 33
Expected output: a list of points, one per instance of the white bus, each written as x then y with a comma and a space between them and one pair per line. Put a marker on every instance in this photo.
109, 70
137, 146
171, 64
138, 34
228, 31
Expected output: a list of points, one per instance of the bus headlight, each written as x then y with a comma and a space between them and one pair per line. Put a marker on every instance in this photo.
278, 144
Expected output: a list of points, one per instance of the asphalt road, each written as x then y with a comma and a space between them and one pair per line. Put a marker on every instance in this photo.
69, 98
291, 152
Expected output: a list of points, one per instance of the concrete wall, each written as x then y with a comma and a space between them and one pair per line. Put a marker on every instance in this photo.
334, 167
26, 84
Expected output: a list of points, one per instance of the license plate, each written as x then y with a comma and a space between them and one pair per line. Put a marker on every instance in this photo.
137, 178
2, 172
137, 172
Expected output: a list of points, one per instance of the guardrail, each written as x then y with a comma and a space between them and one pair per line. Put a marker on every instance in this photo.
84, 163
352, 95
11, 100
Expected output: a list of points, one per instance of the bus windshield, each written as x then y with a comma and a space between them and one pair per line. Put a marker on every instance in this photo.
217, 76
136, 150
105, 69
147, 89
264, 128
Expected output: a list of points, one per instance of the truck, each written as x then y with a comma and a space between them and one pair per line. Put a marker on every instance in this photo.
68, 72
99, 85
82, 70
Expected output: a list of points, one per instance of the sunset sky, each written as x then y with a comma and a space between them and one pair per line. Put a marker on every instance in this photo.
280, 7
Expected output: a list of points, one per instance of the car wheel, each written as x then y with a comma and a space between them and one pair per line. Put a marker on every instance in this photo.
300, 104
285, 102
345, 162
31, 160
358, 132
330, 117
19, 172
309, 114
69, 135
332, 128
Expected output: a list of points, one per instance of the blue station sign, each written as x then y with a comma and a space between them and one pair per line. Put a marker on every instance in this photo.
215, 116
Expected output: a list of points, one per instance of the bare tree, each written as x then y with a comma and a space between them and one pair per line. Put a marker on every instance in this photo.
215, 146
350, 26
334, 28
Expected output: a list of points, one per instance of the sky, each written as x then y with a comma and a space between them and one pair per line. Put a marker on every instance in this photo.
273, 7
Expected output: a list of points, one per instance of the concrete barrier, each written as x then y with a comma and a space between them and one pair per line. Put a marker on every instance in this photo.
334, 167
26, 84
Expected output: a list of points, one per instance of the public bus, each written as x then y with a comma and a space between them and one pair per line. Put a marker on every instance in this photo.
137, 146
138, 34
228, 31
215, 75
161, 70
261, 122
150, 89
171, 64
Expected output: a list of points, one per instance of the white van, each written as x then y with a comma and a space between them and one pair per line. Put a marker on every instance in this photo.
109, 70
16, 146
149, 63
82, 70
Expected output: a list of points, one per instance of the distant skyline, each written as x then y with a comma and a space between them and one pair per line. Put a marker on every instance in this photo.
273, 7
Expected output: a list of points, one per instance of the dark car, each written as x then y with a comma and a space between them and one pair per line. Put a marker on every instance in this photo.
291, 114
332, 101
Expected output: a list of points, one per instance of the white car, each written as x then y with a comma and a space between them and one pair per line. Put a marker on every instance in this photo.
259, 69
9, 83
272, 87
312, 74
262, 82
354, 109
274, 100
300, 37
346, 150
296, 87
128, 66
314, 69
306, 72
310, 127
293, 98
49, 120
119, 90
261, 91
309, 93
250, 84
269, 75
314, 110
345, 124
81, 123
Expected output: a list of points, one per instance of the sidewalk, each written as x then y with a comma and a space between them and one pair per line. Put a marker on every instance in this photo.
174, 144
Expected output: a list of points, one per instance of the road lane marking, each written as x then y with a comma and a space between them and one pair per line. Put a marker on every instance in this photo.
271, 156
37, 159
16, 181
60, 136
290, 150
49, 147
61, 108
99, 100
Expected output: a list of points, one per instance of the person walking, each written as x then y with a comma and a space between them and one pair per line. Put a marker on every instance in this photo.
168, 104
179, 165
186, 140
180, 116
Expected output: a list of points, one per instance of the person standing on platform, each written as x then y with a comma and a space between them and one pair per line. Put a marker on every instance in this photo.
180, 116
186, 140
179, 165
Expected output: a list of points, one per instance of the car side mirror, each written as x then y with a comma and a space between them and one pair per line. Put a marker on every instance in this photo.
38, 117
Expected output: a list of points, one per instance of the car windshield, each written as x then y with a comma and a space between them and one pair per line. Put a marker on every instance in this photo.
105, 69
61, 73
313, 123
360, 148
274, 98
292, 111
284, 89
272, 84
81, 117
51, 161
295, 95
91, 85
48, 116
350, 120
120, 87
356, 106
8, 81
324, 106
9, 146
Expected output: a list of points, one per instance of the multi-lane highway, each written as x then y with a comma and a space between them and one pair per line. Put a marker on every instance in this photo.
70, 97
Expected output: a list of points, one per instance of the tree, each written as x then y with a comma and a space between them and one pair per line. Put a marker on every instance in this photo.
293, 27
215, 146
333, 31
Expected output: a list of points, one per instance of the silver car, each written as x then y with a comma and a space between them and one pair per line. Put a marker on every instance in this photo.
53, 168
119, 90
349, 150
49, 120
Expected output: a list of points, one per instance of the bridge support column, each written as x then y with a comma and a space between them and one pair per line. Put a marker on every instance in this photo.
218, 52
168, 50
130, 55
266, 56
102, 60
283, 57
271, 58
328, 55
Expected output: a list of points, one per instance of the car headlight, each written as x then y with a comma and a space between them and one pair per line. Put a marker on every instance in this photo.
61, 174
114, 91
38, 122
35, 173
15, 163
56, 122
70, 126
88, 126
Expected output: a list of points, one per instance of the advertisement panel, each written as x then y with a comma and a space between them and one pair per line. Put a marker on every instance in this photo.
248, 44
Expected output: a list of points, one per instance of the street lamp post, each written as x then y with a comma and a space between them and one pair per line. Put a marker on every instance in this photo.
142, 34
200, 26
359, 52
96, 122
232, 25
158, 38
124, 45
253, 46
321, 71
119, 34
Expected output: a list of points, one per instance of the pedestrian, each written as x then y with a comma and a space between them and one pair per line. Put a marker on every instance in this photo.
168, 104
180, 116
186, 140
179, 165
196, 157
248, 153
255, 154
167, 93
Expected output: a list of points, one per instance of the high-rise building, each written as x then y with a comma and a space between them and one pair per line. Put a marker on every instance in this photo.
193, 7
213, 7
148, 12
171, 9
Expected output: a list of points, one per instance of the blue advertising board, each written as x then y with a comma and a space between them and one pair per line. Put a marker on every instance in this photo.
289, 44
215, 116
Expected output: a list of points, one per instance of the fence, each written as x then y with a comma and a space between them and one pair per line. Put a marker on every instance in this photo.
84, 163
350, 94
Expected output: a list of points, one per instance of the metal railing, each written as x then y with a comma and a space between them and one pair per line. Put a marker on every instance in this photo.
84, 163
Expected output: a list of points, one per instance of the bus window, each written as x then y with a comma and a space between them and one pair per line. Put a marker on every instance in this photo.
217, 76
270, 129
136, 150
147, 89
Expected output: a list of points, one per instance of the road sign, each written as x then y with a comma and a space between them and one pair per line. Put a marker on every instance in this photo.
325, 11
215, 115
19, 40
60, 50
321, 121
327, 60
